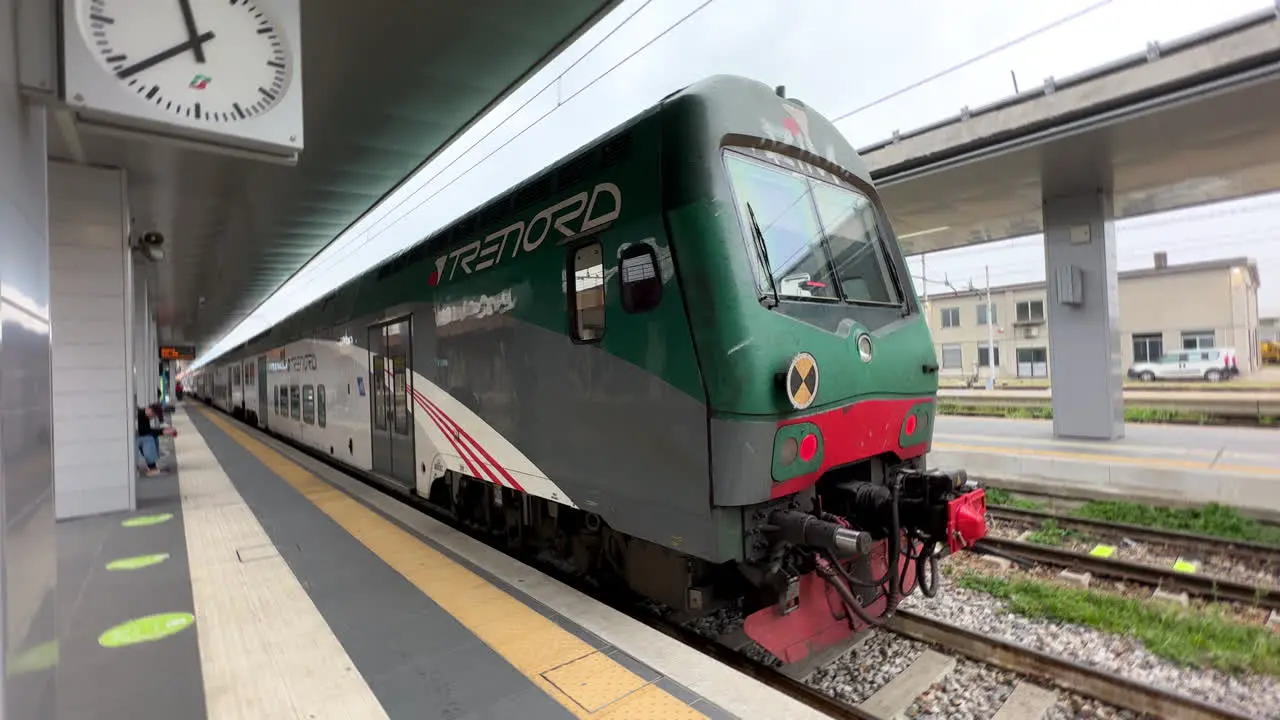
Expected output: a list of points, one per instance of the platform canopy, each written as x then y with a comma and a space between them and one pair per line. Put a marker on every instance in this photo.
388, 83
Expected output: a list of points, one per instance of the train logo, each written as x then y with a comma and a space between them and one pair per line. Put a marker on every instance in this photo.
597, 209
802, 380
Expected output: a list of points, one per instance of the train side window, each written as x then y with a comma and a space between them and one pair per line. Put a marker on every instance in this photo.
587, 293
320, 409
638, 280
309, 404
295, 403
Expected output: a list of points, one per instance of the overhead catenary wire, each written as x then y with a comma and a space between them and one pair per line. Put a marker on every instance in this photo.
285, 292
560, 103
982, 56
499, 125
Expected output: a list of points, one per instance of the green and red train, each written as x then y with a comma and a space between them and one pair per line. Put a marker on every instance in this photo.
687, 358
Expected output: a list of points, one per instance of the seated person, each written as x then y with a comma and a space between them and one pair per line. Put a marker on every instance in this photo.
148, 444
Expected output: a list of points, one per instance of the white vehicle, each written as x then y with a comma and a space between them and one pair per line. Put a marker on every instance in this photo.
1212, 364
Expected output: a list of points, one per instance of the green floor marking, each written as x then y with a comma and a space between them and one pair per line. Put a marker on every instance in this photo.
137, 562
146, 629
1103, 551
146, 520
1184, 566
34, 659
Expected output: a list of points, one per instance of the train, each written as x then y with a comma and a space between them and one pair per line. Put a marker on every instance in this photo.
686, 360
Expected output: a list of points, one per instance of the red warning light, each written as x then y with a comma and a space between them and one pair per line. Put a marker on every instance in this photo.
808, 448
434, 280
910, 426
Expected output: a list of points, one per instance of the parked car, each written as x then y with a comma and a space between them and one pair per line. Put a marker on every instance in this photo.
1212, 364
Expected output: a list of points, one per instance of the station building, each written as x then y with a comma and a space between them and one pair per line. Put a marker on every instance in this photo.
1162, 308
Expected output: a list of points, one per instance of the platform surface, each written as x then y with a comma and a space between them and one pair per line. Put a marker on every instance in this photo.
1187, 464
256, 582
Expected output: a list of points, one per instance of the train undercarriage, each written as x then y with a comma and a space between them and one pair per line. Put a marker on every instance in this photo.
816, 566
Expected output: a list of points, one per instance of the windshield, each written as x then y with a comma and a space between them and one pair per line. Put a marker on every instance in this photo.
821, 242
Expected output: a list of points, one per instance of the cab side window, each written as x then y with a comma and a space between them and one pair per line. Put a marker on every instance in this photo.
639, 284
586, 293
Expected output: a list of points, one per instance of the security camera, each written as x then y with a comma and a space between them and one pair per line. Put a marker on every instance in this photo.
153, 239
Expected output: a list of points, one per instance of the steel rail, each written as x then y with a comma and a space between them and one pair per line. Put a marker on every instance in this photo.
1201, 586
1241, 548
770, 676
1105, 686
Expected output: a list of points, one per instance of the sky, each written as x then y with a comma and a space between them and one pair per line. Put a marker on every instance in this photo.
835, 55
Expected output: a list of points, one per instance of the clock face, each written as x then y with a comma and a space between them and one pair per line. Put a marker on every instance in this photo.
210, 61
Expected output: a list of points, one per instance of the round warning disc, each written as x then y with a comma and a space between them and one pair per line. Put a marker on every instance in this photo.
802, 380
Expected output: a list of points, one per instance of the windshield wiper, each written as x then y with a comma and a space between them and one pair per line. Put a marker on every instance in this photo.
758, 236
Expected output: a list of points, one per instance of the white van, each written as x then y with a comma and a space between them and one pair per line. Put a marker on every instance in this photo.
1212, 364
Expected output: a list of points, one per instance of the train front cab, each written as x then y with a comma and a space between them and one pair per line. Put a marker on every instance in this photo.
813, 348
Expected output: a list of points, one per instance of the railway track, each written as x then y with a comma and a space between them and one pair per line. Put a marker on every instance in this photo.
1036, 668
1167, 579
1240, 548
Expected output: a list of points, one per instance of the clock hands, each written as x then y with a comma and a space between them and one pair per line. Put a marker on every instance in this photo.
160, 57
190, 19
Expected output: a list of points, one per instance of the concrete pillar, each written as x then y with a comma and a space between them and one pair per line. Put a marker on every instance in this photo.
1083, 312
28, 550
92, 310
140, 309
154, 350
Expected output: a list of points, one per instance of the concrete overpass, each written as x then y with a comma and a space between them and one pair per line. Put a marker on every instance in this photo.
387, 85
1182, 124
1185, 123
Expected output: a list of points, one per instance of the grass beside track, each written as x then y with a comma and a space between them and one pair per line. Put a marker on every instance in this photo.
1212, 520
1192, 637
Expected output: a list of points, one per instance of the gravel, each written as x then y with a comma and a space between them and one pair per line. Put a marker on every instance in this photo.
859, 673
972, 691
1255, 695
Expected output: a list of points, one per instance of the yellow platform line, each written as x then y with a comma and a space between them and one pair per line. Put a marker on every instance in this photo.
588, 683
1117, 459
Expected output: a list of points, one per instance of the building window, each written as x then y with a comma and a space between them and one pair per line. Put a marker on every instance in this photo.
984, 360
1030, 311
1148, 348
587, 293
1033, 362
982, 315
1197, 339
951, 317
952, 357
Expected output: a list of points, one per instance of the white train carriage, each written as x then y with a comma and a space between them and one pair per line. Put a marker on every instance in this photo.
222, 388
253, 396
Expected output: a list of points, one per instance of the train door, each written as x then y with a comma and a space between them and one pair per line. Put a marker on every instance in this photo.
263, 412
391, 399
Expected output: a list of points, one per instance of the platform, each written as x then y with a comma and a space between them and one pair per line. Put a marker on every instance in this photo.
257, 582
1171, 464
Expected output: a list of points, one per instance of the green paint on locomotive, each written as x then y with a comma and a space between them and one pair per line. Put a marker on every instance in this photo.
711, 336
